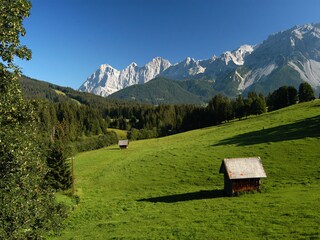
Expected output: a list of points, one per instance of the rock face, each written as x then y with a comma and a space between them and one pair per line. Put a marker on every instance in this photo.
107, 80
288, 57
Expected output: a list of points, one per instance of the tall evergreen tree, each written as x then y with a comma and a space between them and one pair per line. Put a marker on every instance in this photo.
59, 174
27, 206
305, 92
239, 107
292, 95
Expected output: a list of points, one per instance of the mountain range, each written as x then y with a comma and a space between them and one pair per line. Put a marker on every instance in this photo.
288, 57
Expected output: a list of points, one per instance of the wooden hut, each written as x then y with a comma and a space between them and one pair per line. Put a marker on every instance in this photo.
123, 144
242, 174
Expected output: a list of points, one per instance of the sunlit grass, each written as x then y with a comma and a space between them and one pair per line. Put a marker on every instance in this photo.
122, 134
169, 188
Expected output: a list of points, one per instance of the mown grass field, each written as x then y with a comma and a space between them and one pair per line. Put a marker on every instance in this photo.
170, 188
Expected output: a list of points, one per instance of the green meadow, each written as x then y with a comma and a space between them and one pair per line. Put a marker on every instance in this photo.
170, 188
122, 134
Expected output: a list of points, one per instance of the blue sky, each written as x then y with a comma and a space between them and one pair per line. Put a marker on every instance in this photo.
70, 39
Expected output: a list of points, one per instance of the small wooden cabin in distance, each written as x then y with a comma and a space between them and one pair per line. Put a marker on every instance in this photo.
242, 174
123, 144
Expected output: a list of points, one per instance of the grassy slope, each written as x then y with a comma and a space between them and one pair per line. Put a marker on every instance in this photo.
122, 134
169, 188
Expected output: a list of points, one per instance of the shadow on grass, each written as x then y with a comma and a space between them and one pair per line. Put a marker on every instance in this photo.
200, 195
309, 127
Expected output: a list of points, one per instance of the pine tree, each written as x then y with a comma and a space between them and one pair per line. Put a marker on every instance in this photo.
59, 174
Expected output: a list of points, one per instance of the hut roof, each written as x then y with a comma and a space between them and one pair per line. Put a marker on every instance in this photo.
239, 168
123, 142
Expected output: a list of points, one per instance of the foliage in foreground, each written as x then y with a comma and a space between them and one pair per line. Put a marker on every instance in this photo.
28, 209
27, 205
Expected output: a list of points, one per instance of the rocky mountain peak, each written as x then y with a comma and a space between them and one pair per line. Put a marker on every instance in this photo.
107, 80
237, 56
297, 49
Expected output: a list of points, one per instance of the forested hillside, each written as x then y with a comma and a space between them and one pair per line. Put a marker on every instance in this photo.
36, 89
165, 91
79, 114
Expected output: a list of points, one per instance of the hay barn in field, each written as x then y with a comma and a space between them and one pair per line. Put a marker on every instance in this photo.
123, 144
242, 174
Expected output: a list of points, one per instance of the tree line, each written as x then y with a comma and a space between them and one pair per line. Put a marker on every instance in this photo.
162, 120
289, 95
71, 121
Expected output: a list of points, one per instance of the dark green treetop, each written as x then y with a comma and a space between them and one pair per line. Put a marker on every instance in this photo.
305, 92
